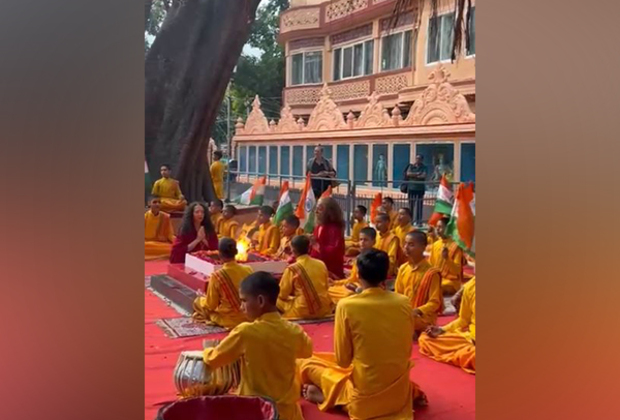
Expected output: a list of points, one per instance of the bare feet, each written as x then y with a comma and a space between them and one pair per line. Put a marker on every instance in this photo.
312, 393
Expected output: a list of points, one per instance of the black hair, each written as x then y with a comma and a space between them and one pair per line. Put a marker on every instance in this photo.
153, 197
267, 210
293, 221
261, 283
218, 153
167, 166
362, 209
370, 232
389, 200
301, 244
445, 220
187, 223
384, 216
419, 237
218, 202
372, 266
407, 210
231, 208
227, 248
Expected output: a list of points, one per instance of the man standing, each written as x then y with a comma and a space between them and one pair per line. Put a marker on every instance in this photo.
415, 190
319, 167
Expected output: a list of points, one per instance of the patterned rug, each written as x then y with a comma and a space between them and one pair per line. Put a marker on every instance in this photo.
186, 327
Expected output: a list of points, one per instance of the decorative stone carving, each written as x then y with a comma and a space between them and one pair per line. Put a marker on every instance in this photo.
342, 8
287, 121
256, 123
302, 96
239, 127
351, 90
391, 84
326, 115
272, 126
440, 103
396, 116
301, 123
294, 20
351, 34
351, 120
373, 114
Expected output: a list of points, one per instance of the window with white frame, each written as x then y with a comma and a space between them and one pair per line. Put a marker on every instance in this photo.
396, 51
440, 38
353, 60
471, 27
307, 68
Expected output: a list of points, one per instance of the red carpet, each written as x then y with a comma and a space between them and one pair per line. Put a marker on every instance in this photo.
451, 391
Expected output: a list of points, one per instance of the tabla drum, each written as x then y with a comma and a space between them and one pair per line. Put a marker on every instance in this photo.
193, 379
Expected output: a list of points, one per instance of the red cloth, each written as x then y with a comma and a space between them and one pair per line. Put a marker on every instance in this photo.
179, 246
330, 248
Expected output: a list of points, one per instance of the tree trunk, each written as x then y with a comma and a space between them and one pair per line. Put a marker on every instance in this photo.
187, 71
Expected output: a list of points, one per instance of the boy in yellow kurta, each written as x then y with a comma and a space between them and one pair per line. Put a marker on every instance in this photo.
388, 208
352, 244
215, 213
304, 284
455, 343
222, 305
289, 228
268, 239
267, 347
229, 227
388, 242
341, 289
403, 224
169, 191
368, 373
420, 282
447, 257
158, 233
217, 174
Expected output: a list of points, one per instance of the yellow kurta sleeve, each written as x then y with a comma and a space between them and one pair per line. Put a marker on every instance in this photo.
454, 266
399, 284
229, 350
435, 296
274, 242
213, 295
343, 342
466, 316
169, 230
155, 190
305, 346
286, 285
392, 252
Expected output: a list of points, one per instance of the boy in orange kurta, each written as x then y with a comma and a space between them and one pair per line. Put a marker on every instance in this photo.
420, 282
268, 238
222, 305
388, 242
289, 228
447, 257
352, 244
304, 284
169, 191
158, 232
228, 226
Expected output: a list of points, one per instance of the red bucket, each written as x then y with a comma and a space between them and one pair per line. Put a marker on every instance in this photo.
223, 407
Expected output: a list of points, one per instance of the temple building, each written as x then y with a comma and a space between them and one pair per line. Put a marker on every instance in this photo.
373, 92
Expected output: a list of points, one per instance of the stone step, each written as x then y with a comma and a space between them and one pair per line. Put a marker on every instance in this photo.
178, 293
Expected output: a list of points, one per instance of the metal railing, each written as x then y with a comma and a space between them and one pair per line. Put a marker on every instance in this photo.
348, 194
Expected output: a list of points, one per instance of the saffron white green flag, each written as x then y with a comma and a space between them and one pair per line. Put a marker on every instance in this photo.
285, 207
443, 203
306, 207
254, 195
462, 222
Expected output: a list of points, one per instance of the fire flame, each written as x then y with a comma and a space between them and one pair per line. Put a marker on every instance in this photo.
243, 245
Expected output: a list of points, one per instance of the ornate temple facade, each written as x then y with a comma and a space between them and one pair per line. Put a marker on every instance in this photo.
373, 92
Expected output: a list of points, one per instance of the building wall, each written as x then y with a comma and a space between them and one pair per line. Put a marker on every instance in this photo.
398, 86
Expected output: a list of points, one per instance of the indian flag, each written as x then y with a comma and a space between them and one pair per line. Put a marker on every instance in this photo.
285, 207
306, 207
462, 223
444, 202
254, 195
327, 193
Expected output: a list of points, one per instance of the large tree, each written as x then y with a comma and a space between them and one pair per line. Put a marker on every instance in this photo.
187, 70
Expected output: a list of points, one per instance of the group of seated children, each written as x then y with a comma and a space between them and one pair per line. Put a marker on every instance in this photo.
367, 375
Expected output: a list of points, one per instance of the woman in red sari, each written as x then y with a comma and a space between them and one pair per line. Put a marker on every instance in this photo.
196, 233
329, 236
